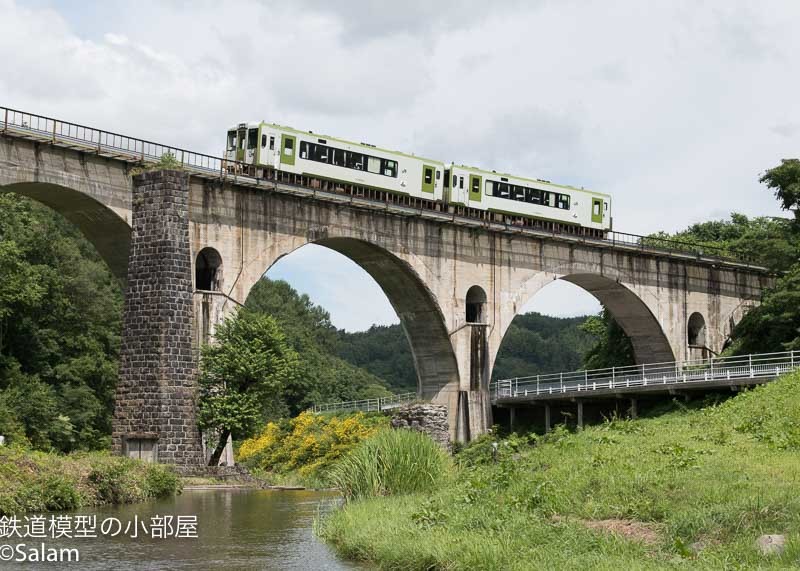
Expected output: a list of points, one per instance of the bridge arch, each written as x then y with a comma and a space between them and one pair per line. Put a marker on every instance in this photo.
631, 312
107, 229
415, 305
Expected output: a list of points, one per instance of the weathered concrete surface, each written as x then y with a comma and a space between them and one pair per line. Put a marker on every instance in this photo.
425, 268
93, 193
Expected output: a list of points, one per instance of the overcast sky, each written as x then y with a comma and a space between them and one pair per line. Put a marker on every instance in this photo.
673, 107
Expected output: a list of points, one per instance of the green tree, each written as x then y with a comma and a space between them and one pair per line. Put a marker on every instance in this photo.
60, 310
784, 180
322, 375
612, 347
774, 325
242, 375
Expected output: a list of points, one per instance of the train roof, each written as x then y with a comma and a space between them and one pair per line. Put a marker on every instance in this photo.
413, 156
365, 146
537, 181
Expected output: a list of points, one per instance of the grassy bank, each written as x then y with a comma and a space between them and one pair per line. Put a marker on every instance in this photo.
687, 489
37, 482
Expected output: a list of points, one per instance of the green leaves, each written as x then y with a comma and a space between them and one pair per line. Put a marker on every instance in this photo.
785, 181
244, 373
60, 311
612, 347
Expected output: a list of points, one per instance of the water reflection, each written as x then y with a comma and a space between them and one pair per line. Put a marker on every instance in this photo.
237, 529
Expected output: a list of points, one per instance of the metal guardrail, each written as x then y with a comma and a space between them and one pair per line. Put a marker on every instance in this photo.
722, 369
366, 405
139, 151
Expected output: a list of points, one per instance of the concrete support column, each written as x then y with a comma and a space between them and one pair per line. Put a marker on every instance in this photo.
580, 415
547, 425
154, 407
634, 409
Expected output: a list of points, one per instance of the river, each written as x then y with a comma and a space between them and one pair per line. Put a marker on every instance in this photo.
236, 529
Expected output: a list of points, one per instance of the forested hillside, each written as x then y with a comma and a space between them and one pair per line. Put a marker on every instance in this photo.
60, 311
534, 344
323, 376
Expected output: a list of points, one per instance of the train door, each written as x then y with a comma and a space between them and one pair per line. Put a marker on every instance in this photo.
428, 174
252, 145
241, 138
287, 149
597, 210
475, 188
459, 192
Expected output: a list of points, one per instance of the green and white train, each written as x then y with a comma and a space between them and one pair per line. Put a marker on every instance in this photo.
265, 149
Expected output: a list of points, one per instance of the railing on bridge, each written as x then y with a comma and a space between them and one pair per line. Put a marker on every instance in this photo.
133, 150
366, 405
721, 369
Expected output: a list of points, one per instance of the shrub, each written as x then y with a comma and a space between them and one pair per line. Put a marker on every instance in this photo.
390, 463
309, 443
160, 481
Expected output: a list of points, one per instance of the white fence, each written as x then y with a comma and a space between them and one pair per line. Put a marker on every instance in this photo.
366, 405
720, 369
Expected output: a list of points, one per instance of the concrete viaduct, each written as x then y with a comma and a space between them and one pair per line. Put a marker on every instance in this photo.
189, 245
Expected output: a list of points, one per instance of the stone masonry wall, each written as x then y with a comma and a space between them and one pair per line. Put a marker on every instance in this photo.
156, 396
428, 418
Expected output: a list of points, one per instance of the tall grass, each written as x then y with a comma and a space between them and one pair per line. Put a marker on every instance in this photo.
697, 486
390, 463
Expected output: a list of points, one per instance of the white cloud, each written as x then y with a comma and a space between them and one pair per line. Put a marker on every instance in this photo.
674, 108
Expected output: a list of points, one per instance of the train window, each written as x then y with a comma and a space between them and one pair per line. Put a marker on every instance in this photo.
263, 141
563, 201
461, 182
455, 181
389, 168
518, 193
429, 175
489, 188
304, 150
271, 143
338, 157
252, 138
288, 147
319, 154
231, 140
374, 165
438, 175
476, 185
355, 161
605, 207
596, 209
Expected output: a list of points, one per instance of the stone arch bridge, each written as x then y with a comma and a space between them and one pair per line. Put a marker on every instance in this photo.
190, 244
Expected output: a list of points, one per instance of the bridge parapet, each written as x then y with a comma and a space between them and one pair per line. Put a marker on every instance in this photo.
649, 377
366, 405
42, 129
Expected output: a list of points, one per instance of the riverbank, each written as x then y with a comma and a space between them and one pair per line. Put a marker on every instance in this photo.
692, 488
37, 481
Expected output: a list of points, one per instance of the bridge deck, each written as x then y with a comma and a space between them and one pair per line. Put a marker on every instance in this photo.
45, 130
655, 378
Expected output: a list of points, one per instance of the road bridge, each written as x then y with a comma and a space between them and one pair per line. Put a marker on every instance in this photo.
188, 244
634, 381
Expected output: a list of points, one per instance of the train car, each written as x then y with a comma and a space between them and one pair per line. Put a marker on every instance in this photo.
271, 146
528, 198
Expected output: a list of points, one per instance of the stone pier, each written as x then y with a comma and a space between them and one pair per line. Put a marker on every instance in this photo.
154, 412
